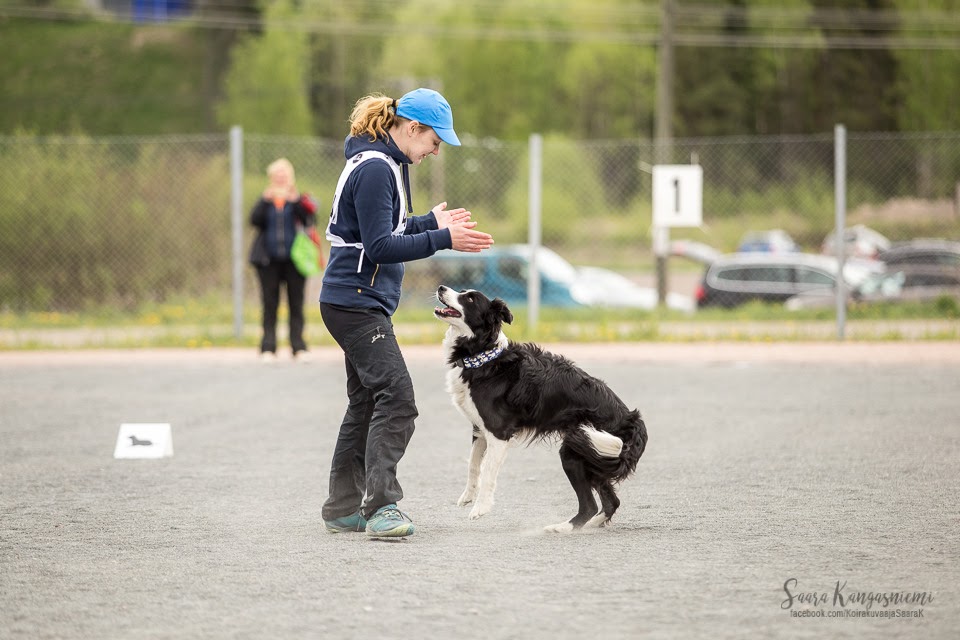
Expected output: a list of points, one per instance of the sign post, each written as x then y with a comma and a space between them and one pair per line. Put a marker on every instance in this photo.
677, 202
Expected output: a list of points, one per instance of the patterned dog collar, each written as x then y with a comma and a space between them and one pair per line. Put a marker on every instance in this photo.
478, 361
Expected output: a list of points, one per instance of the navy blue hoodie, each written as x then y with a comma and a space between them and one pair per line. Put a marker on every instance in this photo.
369, 211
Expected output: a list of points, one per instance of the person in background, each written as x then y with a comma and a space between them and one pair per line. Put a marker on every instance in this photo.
277, 216
372, 234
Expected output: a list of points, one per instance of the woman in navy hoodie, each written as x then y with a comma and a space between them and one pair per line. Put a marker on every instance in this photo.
372, 234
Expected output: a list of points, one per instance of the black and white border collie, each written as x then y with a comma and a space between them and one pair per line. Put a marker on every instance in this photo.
514, 392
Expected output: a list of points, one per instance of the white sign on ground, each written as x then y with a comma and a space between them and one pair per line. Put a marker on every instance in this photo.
677, 195
146, 440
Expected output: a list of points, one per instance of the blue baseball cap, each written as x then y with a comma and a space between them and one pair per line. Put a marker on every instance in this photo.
428, 107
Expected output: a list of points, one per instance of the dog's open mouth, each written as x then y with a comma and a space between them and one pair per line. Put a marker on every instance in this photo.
446, 312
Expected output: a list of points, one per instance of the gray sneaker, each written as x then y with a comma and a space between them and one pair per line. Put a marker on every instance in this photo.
389, 522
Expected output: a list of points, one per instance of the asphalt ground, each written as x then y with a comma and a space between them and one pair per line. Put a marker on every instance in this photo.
832, 465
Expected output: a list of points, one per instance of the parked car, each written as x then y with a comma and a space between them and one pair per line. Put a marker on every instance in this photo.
883, 287
925, 262
923, 251
738, 278
859, 241
772, 241
914, 271
503, 272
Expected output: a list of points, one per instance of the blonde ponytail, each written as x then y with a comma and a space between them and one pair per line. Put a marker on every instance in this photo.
373, 115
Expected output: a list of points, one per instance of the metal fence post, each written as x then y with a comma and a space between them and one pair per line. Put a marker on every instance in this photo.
535, 206
236, 225
663, 135
840, 209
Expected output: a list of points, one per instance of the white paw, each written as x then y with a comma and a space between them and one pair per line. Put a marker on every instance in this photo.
480, 509
599, 520
469, 495
563, 527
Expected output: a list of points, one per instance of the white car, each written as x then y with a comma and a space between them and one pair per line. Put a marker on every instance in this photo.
858, 242
604, 288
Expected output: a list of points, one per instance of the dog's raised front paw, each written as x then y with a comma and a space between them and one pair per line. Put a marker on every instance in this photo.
562, 527
467, 497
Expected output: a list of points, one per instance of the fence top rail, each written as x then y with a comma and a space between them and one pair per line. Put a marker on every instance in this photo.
96, 140
56, 139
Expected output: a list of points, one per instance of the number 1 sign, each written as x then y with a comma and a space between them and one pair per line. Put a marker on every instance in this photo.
677, 195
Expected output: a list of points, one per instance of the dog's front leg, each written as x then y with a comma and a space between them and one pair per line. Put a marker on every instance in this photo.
473, 470
489, 469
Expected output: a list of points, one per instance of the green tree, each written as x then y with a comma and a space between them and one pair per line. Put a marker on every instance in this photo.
727, 89
345, 58
927, 86
714, 91
928, 82
610, 90
782, 100
266, 87
526, 70
853, 86
100, 78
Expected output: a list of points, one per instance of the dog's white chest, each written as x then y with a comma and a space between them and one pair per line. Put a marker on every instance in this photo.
460, 394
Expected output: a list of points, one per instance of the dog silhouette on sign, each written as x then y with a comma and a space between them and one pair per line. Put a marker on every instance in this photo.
134, 442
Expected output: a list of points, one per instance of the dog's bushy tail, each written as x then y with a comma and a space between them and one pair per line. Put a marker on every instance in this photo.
633, 432
599, 450
605, 444
611, 454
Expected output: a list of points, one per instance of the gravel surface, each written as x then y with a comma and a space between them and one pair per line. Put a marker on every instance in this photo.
831, 464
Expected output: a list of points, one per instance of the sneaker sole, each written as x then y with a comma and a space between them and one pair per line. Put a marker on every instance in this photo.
397, 532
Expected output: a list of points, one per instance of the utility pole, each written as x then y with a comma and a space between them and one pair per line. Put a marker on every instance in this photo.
663, 136
664, 115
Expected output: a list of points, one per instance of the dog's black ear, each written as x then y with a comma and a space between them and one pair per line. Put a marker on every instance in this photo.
502, 310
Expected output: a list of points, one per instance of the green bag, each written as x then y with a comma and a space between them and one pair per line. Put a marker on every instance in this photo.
305, 255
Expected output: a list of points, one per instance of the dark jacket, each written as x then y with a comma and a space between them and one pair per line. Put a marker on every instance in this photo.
276, 229
369, 212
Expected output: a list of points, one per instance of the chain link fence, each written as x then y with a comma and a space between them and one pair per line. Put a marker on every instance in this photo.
120, 222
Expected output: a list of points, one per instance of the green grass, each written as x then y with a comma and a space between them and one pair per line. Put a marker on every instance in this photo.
209, 323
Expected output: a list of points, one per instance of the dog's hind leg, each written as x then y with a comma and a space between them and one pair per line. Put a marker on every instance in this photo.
473, 469
609, 503
489, 469
576, 471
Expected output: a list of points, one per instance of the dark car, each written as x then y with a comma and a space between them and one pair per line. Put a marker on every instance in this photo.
915, 271
925, 263
738, 278
879, 288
